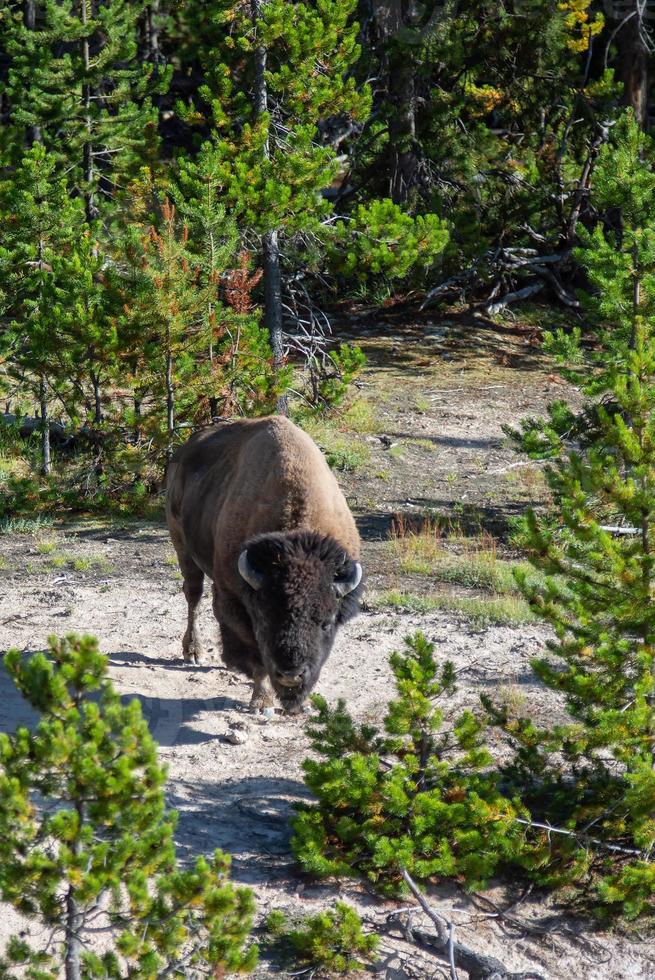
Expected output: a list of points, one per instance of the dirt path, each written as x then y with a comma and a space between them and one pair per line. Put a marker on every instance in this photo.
120, 583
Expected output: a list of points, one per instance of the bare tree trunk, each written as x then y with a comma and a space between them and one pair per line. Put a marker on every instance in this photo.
270, 244
402, 129
72, 965
170, 404
97, 419
74, 919
45, 427
273, 306
32, 133
136, 435
87, 152
97, 400
392, 17
152, 52
633, 58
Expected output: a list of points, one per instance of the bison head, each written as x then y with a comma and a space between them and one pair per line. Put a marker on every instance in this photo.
300, 587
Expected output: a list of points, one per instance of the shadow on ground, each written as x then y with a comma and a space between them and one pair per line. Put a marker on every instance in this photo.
248, 818
170, 720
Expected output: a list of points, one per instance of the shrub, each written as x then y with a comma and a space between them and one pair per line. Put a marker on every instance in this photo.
86, 841
419, 796
331, 941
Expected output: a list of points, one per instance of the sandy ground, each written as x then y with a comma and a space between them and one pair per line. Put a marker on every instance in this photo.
126, 591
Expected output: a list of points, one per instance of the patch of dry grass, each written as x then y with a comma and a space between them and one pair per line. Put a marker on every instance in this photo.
424, 549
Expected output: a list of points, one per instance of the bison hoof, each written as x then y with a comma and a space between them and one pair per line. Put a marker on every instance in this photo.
261, 698
298, 710
193, 655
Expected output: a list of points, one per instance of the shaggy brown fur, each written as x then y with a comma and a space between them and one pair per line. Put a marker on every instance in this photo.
263, 486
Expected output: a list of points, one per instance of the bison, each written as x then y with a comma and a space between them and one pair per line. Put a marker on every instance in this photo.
253, 505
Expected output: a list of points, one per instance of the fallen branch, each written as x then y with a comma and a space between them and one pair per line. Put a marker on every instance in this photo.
493, 308
479, 966
585, 839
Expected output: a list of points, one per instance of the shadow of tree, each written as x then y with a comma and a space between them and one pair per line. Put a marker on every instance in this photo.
249, 818
170, 720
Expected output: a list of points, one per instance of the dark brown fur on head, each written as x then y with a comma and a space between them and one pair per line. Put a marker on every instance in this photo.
296, 611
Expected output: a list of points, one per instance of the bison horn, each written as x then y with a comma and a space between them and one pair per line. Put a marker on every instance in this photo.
247, 572
343, 586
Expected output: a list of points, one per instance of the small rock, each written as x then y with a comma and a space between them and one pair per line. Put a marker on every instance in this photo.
236, 736
268, 712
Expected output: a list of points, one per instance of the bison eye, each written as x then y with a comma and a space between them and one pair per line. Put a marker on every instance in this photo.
327, 625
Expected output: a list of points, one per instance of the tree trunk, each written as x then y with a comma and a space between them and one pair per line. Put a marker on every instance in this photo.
170, 406
632, 61
136, 435
87, 152
402, 129
152, 52
97, 420
32, 133
74, 916
45, 427
72, 965
391, 19
97, 401
273, 306
270, 245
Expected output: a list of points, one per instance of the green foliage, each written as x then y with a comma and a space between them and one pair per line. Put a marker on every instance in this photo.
595, 775
330, 942
330, 374
381, 240
75, 84
619, 259
267, 161
418, 796
86, 840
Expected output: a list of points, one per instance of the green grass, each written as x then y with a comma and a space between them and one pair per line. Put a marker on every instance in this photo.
25, 525
458, 560
473, 572
426, 444
343, 451
98, 563
482, 612
46, 547
361, 417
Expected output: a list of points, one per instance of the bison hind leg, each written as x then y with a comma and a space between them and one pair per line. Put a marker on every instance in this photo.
192, 650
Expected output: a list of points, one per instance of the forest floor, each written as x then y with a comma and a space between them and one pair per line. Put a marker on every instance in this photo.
424, 436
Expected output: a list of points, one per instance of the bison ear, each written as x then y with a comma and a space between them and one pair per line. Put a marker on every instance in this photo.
249, 574
343, 586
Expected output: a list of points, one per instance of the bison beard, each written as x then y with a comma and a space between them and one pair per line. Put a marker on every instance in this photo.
253, 506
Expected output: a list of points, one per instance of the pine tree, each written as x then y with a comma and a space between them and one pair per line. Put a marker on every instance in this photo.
86, 842
163, 330
75, 80
417, 797
80, 304
279, 70
595, 776
41, 228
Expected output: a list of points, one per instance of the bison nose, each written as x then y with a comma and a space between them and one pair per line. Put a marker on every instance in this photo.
290, 678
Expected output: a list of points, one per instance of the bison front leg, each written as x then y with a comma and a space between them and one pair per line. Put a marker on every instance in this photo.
242, 656
193, 587
262, 692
